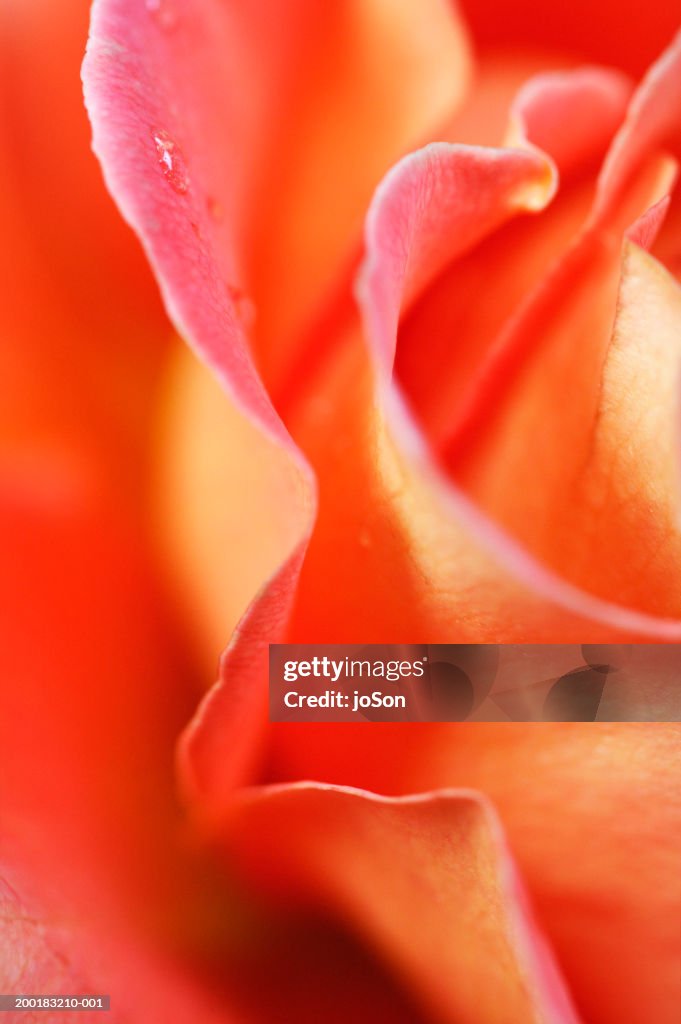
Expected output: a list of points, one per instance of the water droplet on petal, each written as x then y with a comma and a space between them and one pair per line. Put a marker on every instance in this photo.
214, 208
171, 160
365, 538
243, 306
164, 13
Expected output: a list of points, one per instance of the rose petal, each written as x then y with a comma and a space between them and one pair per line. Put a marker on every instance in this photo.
667, 248
432, 206
168, 158
497, 77
597, 834
64, 253
221, 746
605, 462
541, 351
450, 912
645, 230
226, 504
445, 337
52, 190
41, 955
571, 115
261, 105
653, 122
95, 688
429, 564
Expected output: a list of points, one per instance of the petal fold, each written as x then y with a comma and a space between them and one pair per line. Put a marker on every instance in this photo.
597, 833
449, 912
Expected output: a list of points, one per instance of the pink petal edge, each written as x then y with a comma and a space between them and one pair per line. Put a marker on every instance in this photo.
130, 112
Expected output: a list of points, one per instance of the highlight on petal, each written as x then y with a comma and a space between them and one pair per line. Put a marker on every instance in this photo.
428, 879
605, 870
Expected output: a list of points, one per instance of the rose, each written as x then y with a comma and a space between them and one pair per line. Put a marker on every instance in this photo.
93, 678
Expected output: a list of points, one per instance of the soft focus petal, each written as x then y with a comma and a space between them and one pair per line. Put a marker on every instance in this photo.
225, 504
570, 115
449, 912
95, 688
593, 816
47, 953
72, 360
89, 646
605, 31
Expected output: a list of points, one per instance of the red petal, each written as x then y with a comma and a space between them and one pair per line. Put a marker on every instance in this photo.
597, 30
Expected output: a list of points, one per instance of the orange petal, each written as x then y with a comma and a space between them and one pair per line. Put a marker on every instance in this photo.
227, 504
592, 814
450, 913
424, 559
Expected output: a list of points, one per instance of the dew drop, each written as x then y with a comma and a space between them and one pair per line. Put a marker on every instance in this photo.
215, 209
364, 537
171, 160
243, 306
164, 13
